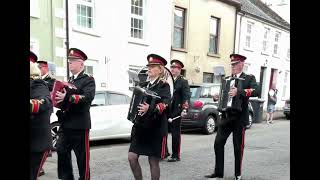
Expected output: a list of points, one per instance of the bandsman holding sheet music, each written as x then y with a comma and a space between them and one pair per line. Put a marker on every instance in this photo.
74, 116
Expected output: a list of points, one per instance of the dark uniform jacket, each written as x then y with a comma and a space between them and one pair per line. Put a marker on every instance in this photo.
50, 81
40, 106
250, 89
75, 112
181, 96
156, 116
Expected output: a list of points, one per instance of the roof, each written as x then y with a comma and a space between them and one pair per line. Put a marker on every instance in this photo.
260, 10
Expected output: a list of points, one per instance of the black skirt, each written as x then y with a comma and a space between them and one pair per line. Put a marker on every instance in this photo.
148, 141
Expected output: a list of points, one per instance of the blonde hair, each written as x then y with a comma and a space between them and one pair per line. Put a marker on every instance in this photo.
35, 72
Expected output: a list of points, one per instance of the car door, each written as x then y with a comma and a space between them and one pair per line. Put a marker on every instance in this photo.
119, 106
100, 121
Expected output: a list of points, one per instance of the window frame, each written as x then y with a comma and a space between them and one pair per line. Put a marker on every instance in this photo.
276, 44
218, 20
248, 44
79, 28
265, 41
143, 18
182, 29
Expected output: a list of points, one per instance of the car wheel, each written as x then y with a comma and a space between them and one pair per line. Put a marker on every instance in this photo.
210, 125
250, 121
54, 127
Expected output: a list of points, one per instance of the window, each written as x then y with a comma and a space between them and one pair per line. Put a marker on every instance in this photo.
248, 35
137, 19
179, 28
265, 40
99, 100
183, 72
85, 10
214, 36
276, 44
207, 77
88, 70
285, 84
34, 8
116, 99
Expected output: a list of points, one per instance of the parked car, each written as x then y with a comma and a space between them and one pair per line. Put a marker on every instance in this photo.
108, 111
286, 109
203, 111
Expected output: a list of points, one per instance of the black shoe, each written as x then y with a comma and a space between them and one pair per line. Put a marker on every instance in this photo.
41, 173
213, 176
173, 159
237, 178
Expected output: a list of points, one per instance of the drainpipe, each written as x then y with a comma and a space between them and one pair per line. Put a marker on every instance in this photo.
235, 31
67, 36
241, 15
52, 34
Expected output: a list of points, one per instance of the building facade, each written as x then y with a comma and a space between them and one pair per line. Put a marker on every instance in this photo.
264, 38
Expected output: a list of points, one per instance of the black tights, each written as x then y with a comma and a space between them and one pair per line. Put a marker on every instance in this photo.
136, 168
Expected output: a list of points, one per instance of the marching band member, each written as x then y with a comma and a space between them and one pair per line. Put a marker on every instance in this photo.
149, 137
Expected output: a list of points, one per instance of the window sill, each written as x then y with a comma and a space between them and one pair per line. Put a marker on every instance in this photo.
213, 55
86, 31
275, 56
248, 49
138, 42
37, 15
264, 53
179, 49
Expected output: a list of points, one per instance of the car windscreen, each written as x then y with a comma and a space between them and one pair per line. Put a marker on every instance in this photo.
99, 100
194, 92
210, 91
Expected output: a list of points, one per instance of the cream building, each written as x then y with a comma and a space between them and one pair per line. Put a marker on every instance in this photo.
203, 37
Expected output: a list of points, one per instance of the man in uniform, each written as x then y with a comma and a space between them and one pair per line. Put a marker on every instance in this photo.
75, 119
236, 120
179, 106
43, 66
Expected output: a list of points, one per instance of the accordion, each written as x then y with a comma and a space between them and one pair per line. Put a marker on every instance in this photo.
139, 96
58, 86
226, 102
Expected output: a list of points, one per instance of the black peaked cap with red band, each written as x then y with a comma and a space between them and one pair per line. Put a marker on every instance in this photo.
176, 63
42, 62
75, 53
33, 57
235, 58
154, 59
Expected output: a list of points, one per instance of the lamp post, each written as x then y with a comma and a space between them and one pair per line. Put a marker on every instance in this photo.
67, 36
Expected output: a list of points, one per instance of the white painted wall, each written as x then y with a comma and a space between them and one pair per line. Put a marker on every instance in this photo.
256, 59
110, 45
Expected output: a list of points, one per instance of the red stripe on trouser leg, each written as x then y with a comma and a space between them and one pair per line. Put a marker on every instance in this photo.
163, 146
179, 144
87, 154
242, 148
44, 157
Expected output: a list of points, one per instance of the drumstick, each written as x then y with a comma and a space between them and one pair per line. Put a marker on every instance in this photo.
172, 119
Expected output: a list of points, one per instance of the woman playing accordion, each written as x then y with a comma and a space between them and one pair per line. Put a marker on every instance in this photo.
148, 137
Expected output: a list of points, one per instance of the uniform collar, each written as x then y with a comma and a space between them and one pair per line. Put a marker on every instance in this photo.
44, 76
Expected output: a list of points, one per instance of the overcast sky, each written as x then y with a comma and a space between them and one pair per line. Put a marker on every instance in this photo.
281, 7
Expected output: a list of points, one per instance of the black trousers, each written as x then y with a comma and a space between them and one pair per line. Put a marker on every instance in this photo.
175, 128
78, 141
37, 160
236, 127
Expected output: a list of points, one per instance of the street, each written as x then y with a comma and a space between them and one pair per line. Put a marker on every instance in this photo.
266, 157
